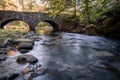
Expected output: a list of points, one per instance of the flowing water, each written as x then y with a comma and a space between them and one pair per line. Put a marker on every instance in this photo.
70, 56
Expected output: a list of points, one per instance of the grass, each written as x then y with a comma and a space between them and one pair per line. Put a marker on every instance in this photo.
4, 34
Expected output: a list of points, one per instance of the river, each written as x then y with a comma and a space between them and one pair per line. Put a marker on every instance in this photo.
71, 56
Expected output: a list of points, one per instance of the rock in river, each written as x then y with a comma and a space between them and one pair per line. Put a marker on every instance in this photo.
25, 47
23, 51
3, 51
3, 57
23, 59
28, 46
23, 40
7, 42
103, 55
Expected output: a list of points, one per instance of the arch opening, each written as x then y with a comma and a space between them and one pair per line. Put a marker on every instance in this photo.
46, 27
15, 24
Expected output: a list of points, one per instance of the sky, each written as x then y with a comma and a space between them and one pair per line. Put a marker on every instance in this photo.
39, 2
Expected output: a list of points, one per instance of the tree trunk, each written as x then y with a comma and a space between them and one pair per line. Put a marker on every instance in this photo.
87, 11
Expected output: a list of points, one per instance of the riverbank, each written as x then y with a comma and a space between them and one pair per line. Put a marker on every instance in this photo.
107, 24
98, 29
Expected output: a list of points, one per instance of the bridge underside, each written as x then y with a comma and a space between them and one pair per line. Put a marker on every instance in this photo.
32, 26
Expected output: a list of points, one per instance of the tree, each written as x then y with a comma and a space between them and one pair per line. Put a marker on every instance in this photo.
87, 14
31, 5
2, 4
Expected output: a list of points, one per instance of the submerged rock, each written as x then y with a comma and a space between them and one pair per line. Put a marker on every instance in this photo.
23, 59
113, 64
3, 57
106, 60
103, 55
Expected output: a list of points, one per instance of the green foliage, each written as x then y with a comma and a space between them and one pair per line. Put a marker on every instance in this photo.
4, 34
58, 6
110, 13
42, 24
2, 3
109, 21
31, 5
17, 23
90, 10
87, 10
114, 7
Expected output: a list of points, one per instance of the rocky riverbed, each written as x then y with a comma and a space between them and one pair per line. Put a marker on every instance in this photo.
60, 56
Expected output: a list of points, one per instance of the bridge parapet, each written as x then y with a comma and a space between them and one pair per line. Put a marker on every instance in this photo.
31, 18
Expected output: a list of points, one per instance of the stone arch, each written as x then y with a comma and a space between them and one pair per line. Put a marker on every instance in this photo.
10, 20
53, 24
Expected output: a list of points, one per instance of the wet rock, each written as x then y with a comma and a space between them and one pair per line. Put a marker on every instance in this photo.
13, 76
3, 50
23, 40
4, 78
3, 57
27, 46
23, 59
29, 34
2, 46
35, 38
23, 51
103, 55
36, 69
16, 42
8, 42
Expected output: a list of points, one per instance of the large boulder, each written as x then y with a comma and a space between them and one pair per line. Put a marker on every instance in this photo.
23, 59
28, 46
25, 47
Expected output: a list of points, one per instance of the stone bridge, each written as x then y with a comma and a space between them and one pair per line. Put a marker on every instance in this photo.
31, 18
